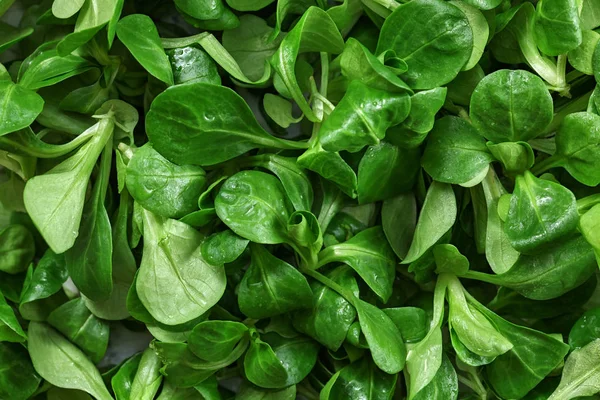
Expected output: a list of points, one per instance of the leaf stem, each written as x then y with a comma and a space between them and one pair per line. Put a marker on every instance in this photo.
546, 164
346, 294
182, 42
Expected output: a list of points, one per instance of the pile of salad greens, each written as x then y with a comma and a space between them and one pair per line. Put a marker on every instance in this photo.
281, 199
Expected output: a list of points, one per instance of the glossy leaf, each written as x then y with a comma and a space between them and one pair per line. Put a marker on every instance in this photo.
569, 262
82, 328
361, 380
189, 133
254, 205
22, 104
162, 187
553, 16
438, 52
511, 106
314, 32
399, 219
370, 256
17, 249
223, 247
362, 117
384, 339
18, 380
540, 212
215, 340
577, 147
455, 153
55, 200
172, 258
271, 286
436, 218
61, 363
139, 34
331, 315
89, 261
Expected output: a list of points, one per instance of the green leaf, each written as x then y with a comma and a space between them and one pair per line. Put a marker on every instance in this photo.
66, 8
201, 9
11, 35
147, 378
18, 378
191, 64
386, 171
514, 157
81, 327
293, 178
263, 368
139, 34
89, 261
552, 273
498, 251
471, 327
436, 218
124, 266
279, 110
399, 219
87, 99
298, 355
412, 322
223, 247
121, 382
190, 131
92, 17
444, 384
480, 29
250, 392
456, 153
314, 32
362, 117
581, 57
557, 26
245, 51
55, 200
41, 290
184, 369
581, 373
508, 106
305, 236
172, 263
384, 339
253, 204
45, 67
10, 329
533, 357
588, 225
62, 364
448, 259
358, 63
20, 103
17, 249
577, 147
439, 51
585, 330
271, 286
166, 189
361, 380
369, 254
540, 212
330, 166
215, 340
424, 106
331, 315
